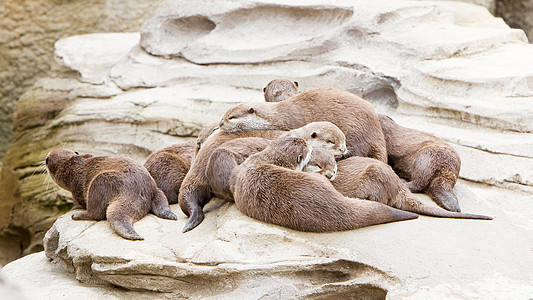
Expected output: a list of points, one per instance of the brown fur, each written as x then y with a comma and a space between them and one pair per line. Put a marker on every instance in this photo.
429, 164
168, 167
269, 188
203, 135
280, 89
367, 178
322, 162
225, 158
114, 188
353, 115
195, 191
206, 169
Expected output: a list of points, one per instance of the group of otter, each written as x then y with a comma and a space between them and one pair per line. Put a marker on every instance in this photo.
316, 161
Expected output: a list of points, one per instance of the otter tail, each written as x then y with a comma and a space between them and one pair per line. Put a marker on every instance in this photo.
409, 203
370, 213
121, 221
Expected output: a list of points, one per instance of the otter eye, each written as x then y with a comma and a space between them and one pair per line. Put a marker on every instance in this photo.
330, 142
296, 83
47, 159
77, 153
264, 90
251, 110
231, 118
314, 135
299, 159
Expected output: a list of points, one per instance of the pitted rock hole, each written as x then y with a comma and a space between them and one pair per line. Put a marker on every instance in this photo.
239, 29
181, 32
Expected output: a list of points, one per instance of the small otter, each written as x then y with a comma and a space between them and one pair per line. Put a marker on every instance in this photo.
322, 162
198, 191
195, 191
168, 166
367, 178
115, 188
429, 164
270, 187
353, 115
280, 89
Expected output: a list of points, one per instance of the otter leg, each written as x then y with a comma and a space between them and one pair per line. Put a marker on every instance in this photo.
160, 206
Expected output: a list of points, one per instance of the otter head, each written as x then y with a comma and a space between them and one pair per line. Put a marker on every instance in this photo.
61, 165
245, 116
280, 89
323, 163
289, 152
323, 135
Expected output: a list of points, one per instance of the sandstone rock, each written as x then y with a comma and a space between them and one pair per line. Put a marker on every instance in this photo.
230, 255
29, 29
447, 68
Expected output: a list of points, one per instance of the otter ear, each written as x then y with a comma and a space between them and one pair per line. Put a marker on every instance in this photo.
264, 89
296, 83
299, 159
251, 110
314, 134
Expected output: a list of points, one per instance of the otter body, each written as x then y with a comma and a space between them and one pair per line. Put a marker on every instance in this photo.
366, 178
213, 165
429, 164
269, 186
353, 115
225, 158
168, 167
114, 188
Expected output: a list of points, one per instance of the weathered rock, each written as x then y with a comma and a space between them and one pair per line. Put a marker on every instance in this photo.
446, 68
230, 255
517, 13
29, 29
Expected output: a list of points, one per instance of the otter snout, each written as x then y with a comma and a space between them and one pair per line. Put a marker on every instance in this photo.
330, 175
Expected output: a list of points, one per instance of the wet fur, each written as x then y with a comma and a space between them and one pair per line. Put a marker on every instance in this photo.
168, 167
353, 115
114, 188
268, 187
429, 164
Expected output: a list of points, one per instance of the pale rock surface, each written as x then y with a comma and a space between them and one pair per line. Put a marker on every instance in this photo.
447, 68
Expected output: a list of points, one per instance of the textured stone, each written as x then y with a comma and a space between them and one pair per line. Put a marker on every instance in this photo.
446, 68
29, 29
230, 255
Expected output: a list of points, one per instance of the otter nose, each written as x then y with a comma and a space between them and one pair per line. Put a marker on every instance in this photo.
329, 175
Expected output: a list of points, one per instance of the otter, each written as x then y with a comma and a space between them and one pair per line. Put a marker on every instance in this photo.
232, 153
114, 188
280, 89
429, 164
196, 188
353, 115
269, 186
168, 166
367, 178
